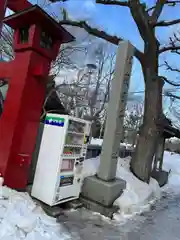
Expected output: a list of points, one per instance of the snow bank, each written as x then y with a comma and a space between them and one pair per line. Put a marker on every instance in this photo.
21, 218
137, 196
173, 140
99, 142
96, 141
171, 163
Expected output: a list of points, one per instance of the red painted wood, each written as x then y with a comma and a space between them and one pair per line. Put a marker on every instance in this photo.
18, 5
3, 4
28, 73
5, 70
20, 119
14, 5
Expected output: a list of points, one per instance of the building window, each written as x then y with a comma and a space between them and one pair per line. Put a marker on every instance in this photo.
46, 41
24, 35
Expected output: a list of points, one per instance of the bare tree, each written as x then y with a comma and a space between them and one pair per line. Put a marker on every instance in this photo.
134, 115
173, 110
172, 94
147, 19
67, 52
6, 49
65, 59
133, 120
99, 82
71, 92
87, 92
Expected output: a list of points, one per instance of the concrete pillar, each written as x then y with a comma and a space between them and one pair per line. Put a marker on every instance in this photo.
115, 113
157, 173
159, 153
99, 192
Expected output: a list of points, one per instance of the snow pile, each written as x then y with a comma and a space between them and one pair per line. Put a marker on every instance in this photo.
137, 196
91, 166
96, 141
99, 142
171, 164
21, 218
127, 146
173, 140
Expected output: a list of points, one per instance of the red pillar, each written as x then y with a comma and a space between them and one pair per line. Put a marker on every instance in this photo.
5, 70
3, 4
14, 5
23, 106
18, 5
19, 122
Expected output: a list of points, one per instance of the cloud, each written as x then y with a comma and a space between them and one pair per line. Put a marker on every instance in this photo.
81, 10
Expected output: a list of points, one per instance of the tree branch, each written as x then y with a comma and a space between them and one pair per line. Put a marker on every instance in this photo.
93, 31
170, 82
98, 33
170, 3
174, 45
144, 25
167, 23
172, 95
158, 10
113, 2
170, 48
168, 67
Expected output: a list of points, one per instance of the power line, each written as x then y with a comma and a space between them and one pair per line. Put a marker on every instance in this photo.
170, 90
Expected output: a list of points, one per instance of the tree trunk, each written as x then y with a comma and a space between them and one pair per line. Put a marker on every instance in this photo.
141, 163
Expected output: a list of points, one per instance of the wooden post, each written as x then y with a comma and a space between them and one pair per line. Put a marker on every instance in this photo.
3, 4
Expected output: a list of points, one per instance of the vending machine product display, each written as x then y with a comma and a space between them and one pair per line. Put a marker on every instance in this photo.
58, 175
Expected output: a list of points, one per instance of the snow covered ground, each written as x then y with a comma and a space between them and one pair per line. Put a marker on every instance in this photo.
21, 218
172, 165
137, 196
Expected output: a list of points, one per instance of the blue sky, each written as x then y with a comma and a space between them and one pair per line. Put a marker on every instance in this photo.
118, 21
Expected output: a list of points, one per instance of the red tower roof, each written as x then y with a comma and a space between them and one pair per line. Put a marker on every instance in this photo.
36, 15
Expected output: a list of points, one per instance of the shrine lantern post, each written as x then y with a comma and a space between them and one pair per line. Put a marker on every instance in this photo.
14, 5
37, 38
3, 4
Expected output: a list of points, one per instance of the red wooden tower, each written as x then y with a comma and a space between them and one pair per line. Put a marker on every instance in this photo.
37, 38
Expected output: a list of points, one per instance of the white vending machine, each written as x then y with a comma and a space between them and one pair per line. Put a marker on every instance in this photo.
58, 175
